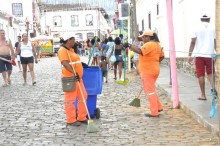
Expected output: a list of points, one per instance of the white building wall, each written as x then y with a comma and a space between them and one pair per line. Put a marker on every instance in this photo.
186, 14
99, 23
158, 21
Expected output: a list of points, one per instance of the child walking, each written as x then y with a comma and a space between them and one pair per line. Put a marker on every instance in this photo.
104, 65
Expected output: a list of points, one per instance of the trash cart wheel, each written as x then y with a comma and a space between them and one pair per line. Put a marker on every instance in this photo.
97, 113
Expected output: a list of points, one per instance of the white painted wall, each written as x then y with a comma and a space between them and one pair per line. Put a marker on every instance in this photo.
186, 14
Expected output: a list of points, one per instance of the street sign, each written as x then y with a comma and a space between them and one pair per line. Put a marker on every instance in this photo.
123, 11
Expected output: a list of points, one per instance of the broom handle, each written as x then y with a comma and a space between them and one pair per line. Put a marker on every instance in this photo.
140, 93
83, 97
80, 89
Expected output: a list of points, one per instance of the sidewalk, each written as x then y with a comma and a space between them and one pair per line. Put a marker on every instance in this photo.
188, 93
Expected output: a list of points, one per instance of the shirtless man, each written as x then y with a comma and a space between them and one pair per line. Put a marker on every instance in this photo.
7, 52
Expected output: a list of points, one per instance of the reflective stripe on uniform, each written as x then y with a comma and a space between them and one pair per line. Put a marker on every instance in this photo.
76, 62
151, 93
68, 102
81, 100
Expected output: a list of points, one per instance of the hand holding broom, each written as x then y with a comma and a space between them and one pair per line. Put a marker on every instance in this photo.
136, 102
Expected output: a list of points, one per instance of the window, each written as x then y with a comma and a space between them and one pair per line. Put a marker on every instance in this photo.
142, 24
74, 20
149, 20
17, 10
89, 20
79, 36
157, 9
57, 21
90, 35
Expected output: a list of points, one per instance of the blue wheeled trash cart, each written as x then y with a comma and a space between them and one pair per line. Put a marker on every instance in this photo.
92, 79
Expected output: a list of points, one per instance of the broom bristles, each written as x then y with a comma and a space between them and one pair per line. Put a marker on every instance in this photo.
91, 128
135, 102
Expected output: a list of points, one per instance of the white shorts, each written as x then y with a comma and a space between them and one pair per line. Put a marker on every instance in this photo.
18, 58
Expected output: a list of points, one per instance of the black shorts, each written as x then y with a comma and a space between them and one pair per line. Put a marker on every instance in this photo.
27, 60
4, 65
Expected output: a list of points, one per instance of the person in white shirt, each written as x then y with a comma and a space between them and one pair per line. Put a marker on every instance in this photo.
28, 54
203, 40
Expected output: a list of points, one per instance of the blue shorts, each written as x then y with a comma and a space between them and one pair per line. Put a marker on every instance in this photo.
4, 65
119, 58
27, 60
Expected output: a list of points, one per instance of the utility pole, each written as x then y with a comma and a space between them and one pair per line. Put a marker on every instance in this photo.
136, 33
129, 33
175, 91
218, 52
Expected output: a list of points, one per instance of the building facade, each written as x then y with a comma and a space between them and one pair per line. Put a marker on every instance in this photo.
152, 14
83, 24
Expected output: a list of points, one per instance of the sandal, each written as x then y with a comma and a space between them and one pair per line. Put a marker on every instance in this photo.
34, 83
4, 85
9, 82
202, 98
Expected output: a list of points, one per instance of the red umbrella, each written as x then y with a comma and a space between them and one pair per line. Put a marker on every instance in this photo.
10, 61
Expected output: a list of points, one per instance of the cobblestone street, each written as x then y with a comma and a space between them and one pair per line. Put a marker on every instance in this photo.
34, 115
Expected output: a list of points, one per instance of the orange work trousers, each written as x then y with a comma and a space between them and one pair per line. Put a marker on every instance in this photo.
70, 98
148, 82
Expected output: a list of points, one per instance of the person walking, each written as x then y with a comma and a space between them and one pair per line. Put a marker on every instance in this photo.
38, 50
119, 58
150, 55
6, 52
69, 59
28, 54
96, 52
104, 68
203, 40
18, 56
109, 50
138, 45
80, 48
104, 46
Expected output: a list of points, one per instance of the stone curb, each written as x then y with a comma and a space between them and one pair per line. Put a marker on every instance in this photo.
193, 114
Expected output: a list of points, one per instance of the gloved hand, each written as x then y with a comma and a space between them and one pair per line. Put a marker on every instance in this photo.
77, 77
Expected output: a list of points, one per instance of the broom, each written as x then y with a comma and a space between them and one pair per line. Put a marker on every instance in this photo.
136, 102
91, 128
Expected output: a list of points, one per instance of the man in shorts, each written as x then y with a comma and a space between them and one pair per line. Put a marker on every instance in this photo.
18, 56
203, 40
6, 52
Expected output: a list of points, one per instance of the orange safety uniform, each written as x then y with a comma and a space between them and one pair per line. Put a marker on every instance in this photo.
149, 67
70, 97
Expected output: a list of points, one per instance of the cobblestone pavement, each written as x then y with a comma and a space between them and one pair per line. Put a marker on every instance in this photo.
34, 115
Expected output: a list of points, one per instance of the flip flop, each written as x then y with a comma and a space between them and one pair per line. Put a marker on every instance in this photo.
34, 83
202, 98
9, 82
4, 85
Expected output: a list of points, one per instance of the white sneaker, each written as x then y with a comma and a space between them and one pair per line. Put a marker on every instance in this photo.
121, 79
